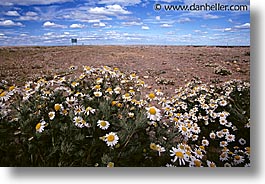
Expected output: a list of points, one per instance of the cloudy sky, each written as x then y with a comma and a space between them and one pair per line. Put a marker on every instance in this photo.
55, 22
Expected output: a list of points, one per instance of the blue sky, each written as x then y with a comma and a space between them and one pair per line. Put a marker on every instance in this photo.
121, 22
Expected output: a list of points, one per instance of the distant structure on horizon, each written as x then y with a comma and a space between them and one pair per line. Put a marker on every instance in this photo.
74, 41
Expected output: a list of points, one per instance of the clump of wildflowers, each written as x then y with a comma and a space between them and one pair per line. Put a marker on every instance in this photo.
103, 117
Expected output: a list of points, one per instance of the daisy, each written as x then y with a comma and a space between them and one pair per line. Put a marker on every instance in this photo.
40, 126
4, 96
205, 142
158, 92
97, 94
194, 137
223, 121
198, 153
127, 97
153, 146
238, 159
230, 137
196, 129
225, 131
88, 69
104, 125
51, 115
71, 101
151, 96
117, 90
223, 143
130, 114
111, 139
183, 129
58, 107
74, 84
99, 80
160, 149
195, 162
109, 90
153, 113
219, 134
223, 156
212, 135
178, 154
97, 87
80, 122
132, 92
133, 76
79, 109
210, 164
89, 110
110, 164
223, 102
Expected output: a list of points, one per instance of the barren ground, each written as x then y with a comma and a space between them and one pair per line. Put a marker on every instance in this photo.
173, 65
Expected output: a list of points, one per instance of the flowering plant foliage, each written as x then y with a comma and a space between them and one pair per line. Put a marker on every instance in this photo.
105, 117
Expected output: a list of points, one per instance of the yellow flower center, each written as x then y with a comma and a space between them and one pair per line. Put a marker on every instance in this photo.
38, 126
11, 88
197, 163
127, 95
182, 147
97, 87
179, 154
153, 146
237, 157
110, 164
3, 94
152, 95
184, 129
114, 103
152, 111
110, 138
57, 107
212, 165
109, 90
198, 152
103, 123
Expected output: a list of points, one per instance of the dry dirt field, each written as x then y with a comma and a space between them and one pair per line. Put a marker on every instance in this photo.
166, 67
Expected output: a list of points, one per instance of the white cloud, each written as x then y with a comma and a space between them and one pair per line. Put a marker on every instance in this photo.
31, 2
121, 2
29, 16
23, 35
32, 14
145, 27
10, 23
228, 29
158, 18
183, 20
12, 13
132, 23
77, 26
165, 25
210, 16
112, 10
53, 25
243, 26
100, 24
230, 20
